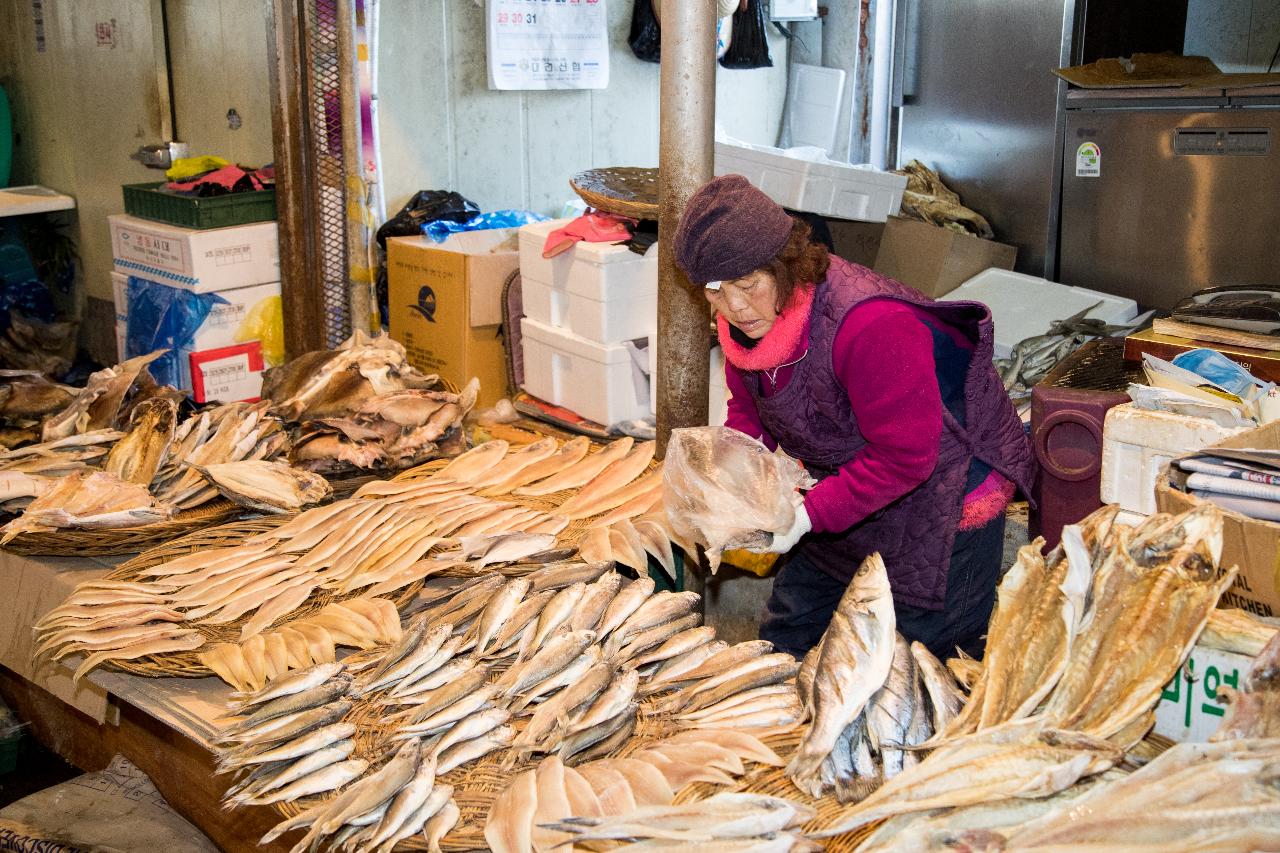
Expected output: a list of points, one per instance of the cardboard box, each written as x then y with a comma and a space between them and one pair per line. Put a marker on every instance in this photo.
1189, 710
244, 314
446, 305
936, 260
199, 260
1264, 364
856, 242
1251, 545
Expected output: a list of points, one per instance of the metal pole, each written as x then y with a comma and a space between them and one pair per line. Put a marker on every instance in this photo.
358, 275
686, 136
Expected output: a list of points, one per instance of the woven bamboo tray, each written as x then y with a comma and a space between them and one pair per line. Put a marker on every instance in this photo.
124, 540
620, 190
187, 664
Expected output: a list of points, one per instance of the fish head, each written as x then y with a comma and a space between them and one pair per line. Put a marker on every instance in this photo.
1265, 673
1155, 542
871, 580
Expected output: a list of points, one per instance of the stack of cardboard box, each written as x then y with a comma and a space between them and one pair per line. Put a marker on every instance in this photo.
236, 268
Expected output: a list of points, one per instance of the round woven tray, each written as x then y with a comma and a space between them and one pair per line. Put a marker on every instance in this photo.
620, 190
123, 540
187, 664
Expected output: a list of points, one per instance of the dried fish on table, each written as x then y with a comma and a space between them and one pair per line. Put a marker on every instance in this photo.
1018, 759
97, 405
137, 456
1192, 797
581, 472
854, 661
721, 816
593, 498
89, 501
266, 486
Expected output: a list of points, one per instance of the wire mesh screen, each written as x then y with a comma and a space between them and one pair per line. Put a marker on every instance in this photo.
324, 86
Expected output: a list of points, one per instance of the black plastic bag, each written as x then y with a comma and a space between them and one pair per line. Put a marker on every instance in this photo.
749, 47
646, 36
426, 206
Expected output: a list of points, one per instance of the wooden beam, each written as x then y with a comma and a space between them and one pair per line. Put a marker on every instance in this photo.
301, 281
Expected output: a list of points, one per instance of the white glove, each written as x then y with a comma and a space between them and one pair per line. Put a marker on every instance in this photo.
782, 543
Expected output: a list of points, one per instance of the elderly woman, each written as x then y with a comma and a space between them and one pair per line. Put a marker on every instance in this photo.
888, 398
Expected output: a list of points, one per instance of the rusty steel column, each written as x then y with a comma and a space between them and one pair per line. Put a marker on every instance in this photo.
687, 104
687, 109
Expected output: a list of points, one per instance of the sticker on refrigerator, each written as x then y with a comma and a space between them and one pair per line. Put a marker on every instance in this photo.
1088, 160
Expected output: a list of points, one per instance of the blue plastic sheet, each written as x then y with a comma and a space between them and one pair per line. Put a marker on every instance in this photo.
164, 317
440, 229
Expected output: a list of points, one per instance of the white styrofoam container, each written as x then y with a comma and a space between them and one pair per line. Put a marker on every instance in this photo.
598, 291
1188, 710
1137, 444
717, 392
199, 260
826, 188
600, 382
1023, 306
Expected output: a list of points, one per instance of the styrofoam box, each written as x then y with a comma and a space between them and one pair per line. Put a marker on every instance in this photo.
598, 291
600, 382
717, 392
1189, 710
1137, 444
829, 189
198, 260
1023, 306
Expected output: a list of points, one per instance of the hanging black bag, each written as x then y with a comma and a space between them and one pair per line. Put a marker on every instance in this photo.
750, 46
646, 36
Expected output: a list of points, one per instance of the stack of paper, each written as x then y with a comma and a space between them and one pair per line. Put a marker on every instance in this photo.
1247, 481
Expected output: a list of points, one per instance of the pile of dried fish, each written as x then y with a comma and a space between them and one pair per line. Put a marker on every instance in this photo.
104, 478
870, 696
264, 656
334, 383
1034, 358
726, 820
391, 431
553, 804
565, 654
1080, 646
26, 398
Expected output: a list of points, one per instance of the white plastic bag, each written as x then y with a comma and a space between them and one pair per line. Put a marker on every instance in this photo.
726, 490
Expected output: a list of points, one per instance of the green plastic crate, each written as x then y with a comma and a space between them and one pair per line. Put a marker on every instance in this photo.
147, 201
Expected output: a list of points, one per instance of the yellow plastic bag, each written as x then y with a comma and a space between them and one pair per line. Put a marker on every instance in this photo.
264, 322
749, 561
189, 167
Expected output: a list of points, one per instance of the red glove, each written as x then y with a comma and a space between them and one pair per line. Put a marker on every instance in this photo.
592, 227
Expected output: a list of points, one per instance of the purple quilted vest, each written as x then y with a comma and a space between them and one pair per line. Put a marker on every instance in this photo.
812, 421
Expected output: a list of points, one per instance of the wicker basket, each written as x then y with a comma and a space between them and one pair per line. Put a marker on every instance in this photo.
620, 190
124, 540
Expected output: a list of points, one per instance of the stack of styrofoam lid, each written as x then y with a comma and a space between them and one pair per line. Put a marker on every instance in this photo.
1023, 306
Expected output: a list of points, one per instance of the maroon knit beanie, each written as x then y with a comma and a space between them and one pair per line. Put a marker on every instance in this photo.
729, 229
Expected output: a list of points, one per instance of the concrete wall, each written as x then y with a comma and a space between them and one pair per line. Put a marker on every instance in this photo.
442, 128
1239, 35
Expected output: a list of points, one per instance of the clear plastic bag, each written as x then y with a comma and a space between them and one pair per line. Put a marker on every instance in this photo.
725, 490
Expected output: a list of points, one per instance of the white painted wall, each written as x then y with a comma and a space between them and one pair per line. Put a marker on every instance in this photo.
442, 128
1239, 35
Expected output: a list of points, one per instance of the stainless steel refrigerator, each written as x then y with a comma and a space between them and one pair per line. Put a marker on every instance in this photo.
976, 100
1164, 194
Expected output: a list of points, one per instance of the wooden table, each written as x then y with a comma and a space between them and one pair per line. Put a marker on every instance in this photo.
162, 725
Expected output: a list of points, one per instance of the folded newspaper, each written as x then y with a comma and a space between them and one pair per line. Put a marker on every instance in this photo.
1245, 480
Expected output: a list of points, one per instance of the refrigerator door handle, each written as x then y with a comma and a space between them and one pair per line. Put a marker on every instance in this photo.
898, 92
